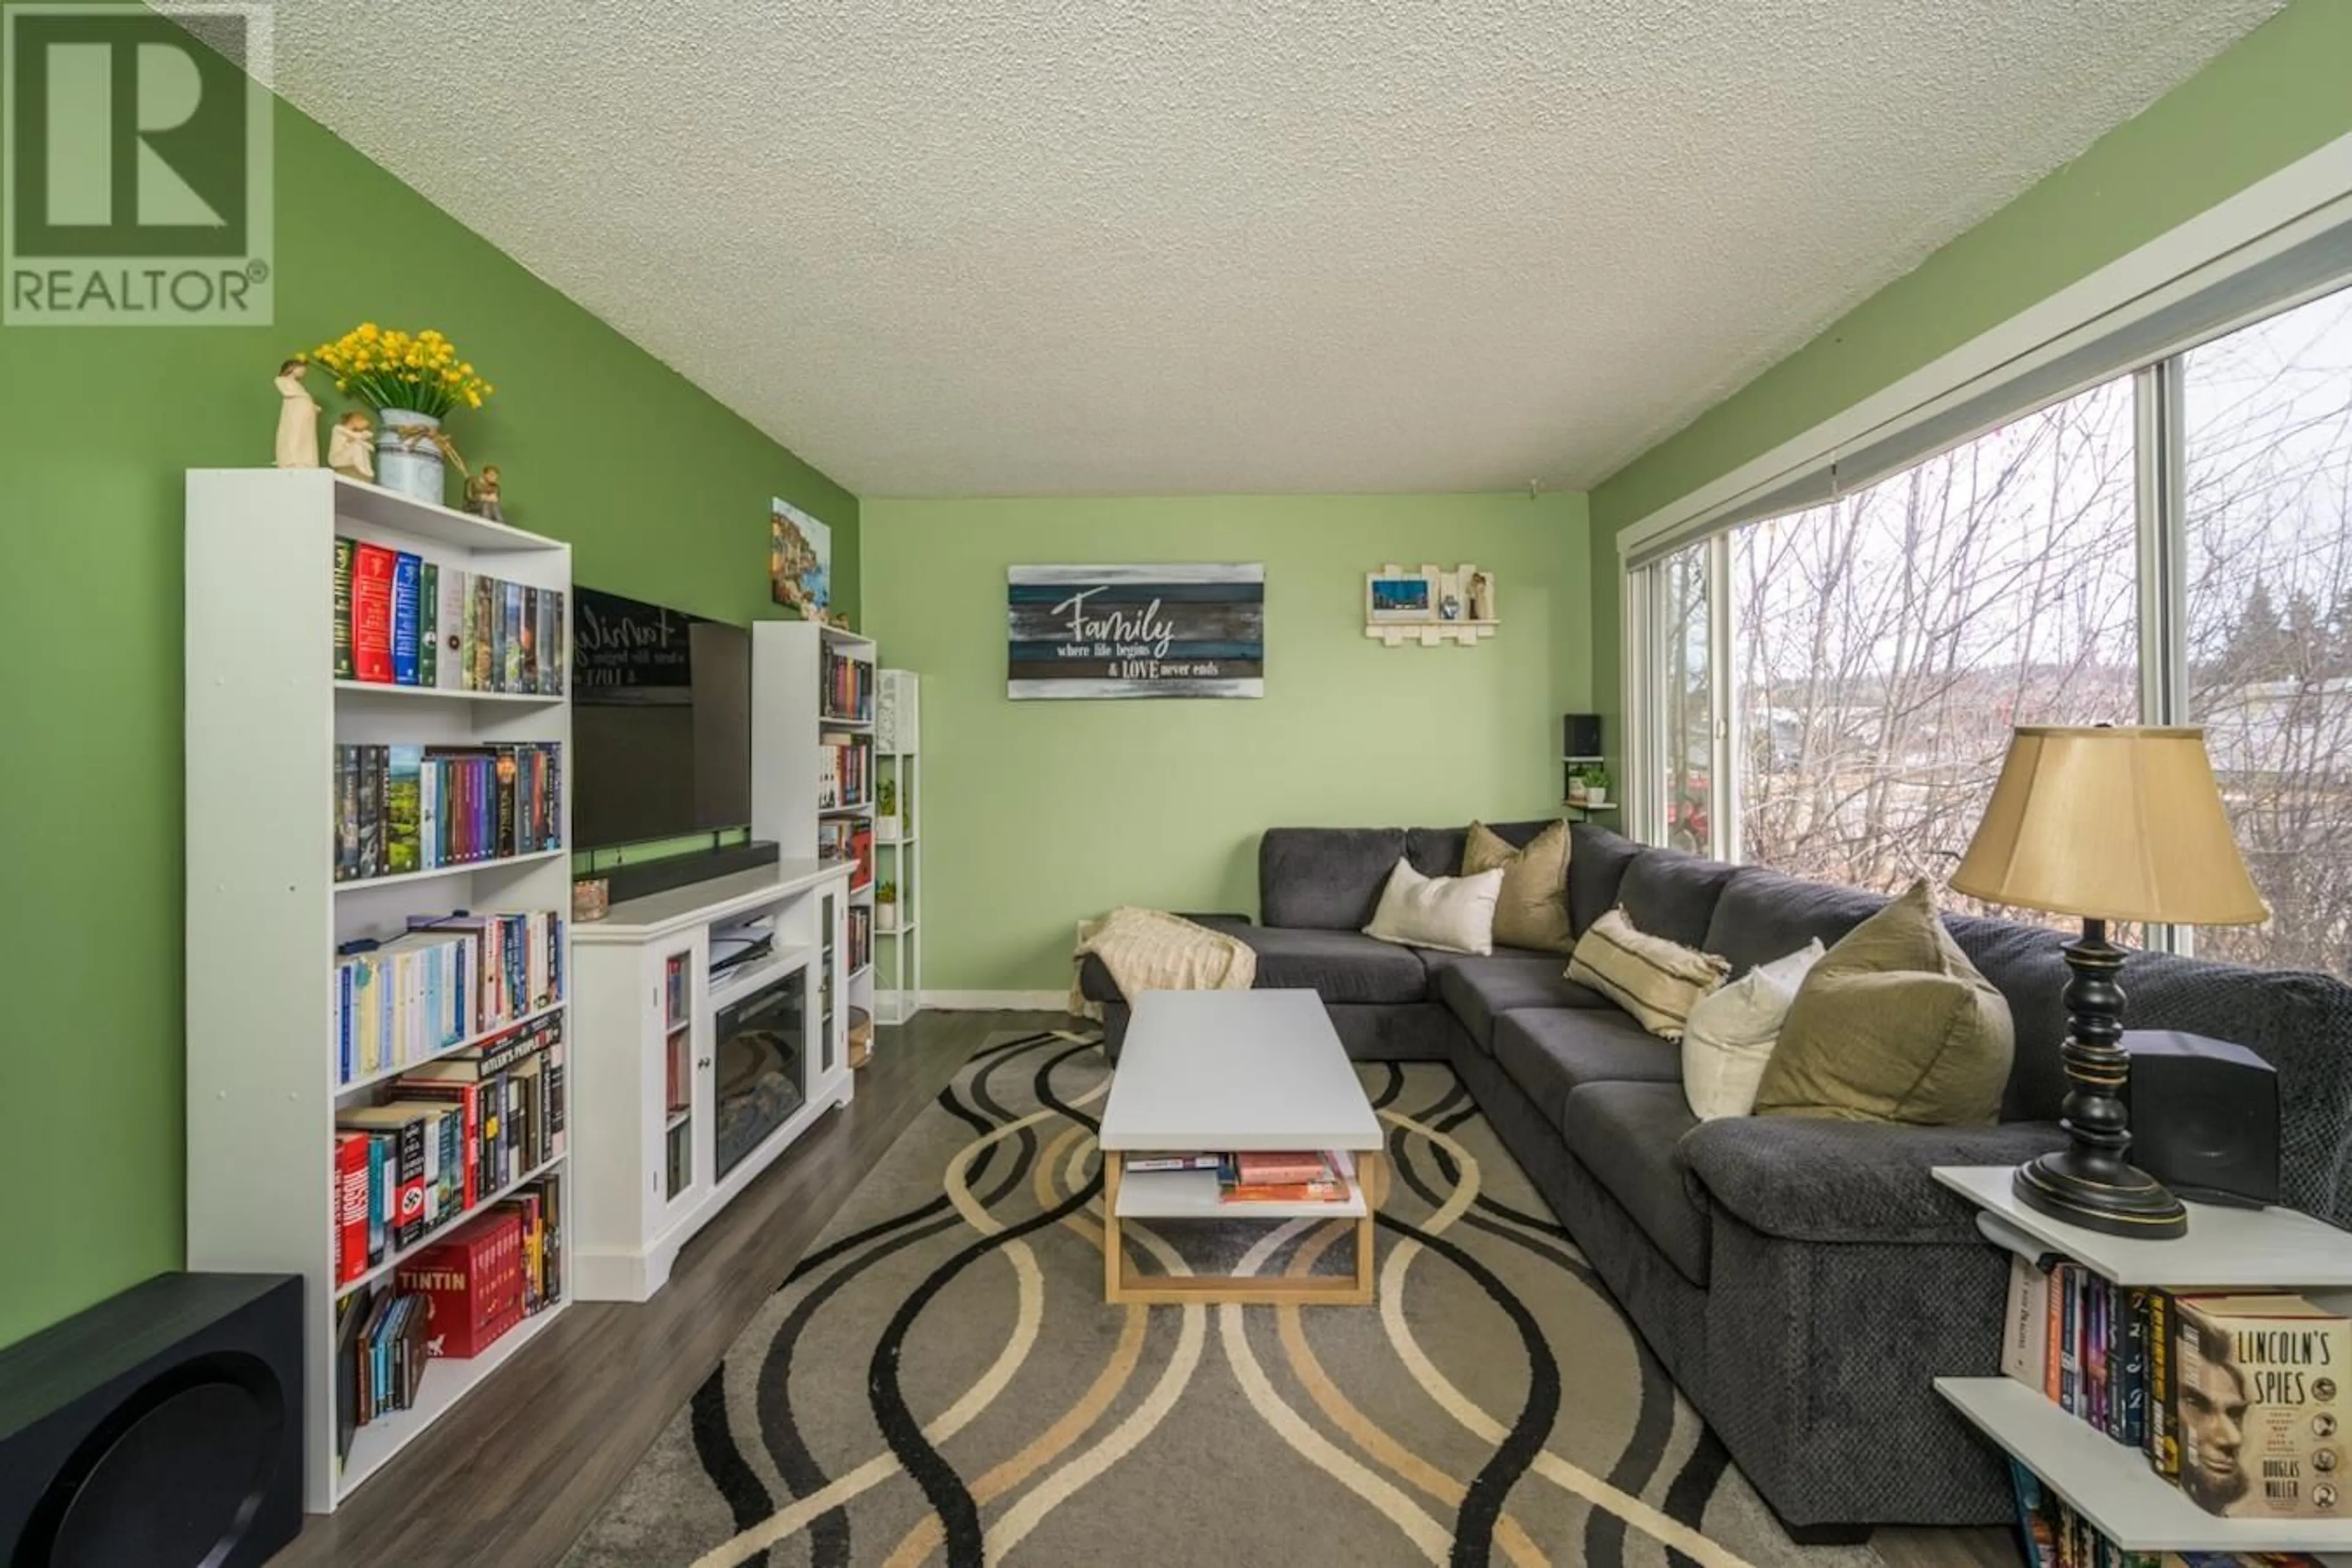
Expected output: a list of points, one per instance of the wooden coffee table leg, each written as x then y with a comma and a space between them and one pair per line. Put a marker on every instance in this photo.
1368, 1176
1114, 1245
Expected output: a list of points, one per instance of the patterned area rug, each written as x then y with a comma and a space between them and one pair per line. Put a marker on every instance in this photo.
940, 1381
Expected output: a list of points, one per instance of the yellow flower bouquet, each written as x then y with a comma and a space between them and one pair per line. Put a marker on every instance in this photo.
388, 368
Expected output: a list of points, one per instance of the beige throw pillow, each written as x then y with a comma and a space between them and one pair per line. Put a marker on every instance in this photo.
1532, 909
1729, 1036
1894, 1024
1452, 914
1655, 980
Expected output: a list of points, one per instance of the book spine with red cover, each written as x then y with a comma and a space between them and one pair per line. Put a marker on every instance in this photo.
371, 571
351, 1206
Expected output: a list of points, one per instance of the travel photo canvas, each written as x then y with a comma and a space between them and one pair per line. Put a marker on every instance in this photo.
1186, 630
800, 558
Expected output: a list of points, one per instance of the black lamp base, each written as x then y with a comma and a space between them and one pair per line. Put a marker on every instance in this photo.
2089, 1182
2114, 1200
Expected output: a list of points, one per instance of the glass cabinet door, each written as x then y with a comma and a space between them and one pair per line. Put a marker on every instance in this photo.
677, 1073
828, 980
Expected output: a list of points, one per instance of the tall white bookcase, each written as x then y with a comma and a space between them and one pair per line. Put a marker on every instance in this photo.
266, 913
898, 843
792, 712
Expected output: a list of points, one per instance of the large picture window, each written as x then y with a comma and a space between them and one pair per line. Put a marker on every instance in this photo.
2171, 546
2269, 521
1888, 640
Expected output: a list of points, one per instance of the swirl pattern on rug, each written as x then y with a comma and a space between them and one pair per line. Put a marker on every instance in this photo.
940, 1381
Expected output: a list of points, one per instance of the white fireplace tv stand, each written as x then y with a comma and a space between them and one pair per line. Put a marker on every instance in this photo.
713, 1030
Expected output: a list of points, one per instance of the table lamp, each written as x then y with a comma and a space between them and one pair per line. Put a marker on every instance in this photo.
2107, 823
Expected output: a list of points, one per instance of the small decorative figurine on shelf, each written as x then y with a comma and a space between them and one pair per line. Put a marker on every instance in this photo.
351, 446
298, 417
482, 494
1482, 596
1450, 608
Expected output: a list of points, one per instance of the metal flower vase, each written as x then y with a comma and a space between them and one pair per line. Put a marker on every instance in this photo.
410, 455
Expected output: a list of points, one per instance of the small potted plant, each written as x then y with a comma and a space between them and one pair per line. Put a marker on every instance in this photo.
411, 382
885, 907
1596, 786
886, 813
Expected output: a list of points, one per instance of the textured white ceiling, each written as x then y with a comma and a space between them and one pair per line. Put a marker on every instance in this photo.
1159, 246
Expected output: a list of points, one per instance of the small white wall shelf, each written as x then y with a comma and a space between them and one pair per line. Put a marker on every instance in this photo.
1464, 588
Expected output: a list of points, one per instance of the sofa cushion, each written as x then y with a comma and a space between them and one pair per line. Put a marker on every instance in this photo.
1764, 915
1804, 1180
1669, 894
1894, 1024
1627, 1136
1597, 860
1551, 1053
1337, 965
1531, 910
1324, 879
1437, 851
1449, 914
1481, 990
1655, 980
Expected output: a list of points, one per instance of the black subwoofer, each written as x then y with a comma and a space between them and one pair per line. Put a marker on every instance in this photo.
162, 1428
2204, 1117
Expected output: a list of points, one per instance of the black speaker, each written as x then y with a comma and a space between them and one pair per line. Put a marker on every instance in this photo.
162, 1428
2204, 1117
1579, 735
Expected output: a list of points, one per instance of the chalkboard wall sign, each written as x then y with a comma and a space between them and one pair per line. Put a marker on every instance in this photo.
1195, 630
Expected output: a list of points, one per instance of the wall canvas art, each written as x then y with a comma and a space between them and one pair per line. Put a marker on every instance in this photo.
1191, 630
800, 558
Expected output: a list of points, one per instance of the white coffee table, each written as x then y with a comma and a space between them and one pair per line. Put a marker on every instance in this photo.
1232, 1071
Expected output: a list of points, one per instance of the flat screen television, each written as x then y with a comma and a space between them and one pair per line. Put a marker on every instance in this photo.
661, 722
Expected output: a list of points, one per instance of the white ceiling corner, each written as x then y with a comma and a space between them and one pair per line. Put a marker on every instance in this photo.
1171, 247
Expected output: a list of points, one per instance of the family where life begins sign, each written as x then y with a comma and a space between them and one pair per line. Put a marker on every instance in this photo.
1136, 631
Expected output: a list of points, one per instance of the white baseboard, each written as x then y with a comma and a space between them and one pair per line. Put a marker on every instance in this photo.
997, 1001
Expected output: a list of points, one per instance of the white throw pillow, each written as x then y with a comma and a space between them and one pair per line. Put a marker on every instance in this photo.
1730, 1033
1452, 914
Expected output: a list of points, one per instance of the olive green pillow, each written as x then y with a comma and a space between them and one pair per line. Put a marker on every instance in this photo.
1893, 1025
1532, 909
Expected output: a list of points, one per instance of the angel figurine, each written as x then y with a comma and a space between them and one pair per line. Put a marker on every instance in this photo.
351, 446
298, 417
482, 494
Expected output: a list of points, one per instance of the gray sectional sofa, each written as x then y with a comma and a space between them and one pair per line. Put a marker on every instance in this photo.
1801, 1281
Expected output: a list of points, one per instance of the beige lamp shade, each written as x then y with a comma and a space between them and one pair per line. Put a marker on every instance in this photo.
2121, 823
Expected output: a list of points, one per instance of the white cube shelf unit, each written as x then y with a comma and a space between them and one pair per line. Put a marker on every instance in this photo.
898, 847
265, 912
814, 772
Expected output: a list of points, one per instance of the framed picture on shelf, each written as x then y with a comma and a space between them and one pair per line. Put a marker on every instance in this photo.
1397, 594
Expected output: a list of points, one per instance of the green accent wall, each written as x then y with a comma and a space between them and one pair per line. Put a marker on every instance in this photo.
663, 491
1037, 814
2276, 95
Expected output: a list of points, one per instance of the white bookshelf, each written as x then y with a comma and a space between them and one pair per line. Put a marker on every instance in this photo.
266, 914
2109, 1483
899, 953
789, 718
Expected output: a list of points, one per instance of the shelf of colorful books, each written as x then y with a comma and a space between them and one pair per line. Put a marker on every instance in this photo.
444, 1382
471, 1042
2110, 1484
394, 1256
396, 879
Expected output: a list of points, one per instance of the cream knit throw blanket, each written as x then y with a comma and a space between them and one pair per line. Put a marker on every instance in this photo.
1150, 950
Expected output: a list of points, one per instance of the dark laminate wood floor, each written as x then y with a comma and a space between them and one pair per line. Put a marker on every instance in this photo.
512, 1476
